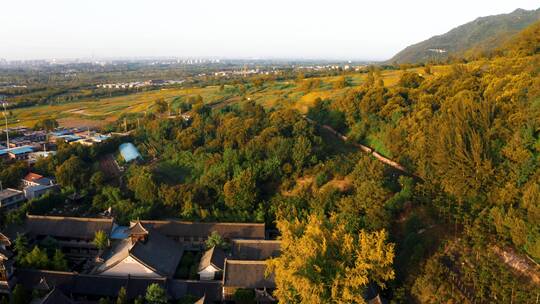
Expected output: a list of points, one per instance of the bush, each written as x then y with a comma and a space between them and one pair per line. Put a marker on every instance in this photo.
321, 179
244, 295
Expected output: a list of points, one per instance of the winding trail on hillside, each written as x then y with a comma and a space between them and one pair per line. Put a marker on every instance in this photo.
365, 149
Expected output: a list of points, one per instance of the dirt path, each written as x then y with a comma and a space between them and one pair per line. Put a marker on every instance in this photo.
519, 263
366, 149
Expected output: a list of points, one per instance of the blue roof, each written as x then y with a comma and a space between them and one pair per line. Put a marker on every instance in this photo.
20, 150
70, 137
61, 132
129, 152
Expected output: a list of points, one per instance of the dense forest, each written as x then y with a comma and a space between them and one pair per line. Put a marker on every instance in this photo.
439, 231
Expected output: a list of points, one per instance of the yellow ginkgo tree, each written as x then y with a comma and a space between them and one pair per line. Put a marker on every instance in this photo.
322, 262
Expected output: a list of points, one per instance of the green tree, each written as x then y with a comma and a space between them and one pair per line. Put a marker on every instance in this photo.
410, 80
216, 240
122, 296
97, 180
59, 261
37, 258
104, 301
101, 241
301, 152
161, 105
11, 174
242, 295
241, 192
72, 173
141, 182
21, 249
47, 124
155, 294
20, 295
341, 83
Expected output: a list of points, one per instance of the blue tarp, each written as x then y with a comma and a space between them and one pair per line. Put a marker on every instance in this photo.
129, 152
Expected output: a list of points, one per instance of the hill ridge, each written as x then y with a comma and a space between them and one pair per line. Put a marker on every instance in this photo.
480, 35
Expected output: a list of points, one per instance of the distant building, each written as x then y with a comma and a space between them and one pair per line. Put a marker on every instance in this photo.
34, 179
35, 156
37, 191
10, 198
92, 139
36, 136
69, 138
19, 153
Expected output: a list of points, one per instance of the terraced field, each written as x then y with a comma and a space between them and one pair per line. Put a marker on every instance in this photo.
94, 113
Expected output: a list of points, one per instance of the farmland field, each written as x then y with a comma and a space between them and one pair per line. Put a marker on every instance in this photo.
96, 113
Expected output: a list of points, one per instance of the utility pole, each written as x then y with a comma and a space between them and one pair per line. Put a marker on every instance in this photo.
4, 103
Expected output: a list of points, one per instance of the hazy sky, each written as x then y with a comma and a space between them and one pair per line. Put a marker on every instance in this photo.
334, 29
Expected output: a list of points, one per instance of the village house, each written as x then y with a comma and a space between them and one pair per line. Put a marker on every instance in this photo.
10, 198
19, 153
35, 156
34, 179
35, 185
33, 192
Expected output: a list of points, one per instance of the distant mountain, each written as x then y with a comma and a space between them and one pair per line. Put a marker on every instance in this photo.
481, 35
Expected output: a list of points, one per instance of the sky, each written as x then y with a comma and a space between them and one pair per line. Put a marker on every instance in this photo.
279, 29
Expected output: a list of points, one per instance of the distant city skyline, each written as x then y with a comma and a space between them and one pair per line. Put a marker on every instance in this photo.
333, 30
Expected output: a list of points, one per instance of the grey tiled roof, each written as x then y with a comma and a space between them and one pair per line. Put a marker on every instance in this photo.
213, 256
201, 229
247, 274
70, 227
158, 253
255, 249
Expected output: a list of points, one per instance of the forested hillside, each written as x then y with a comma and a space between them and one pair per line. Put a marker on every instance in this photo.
480, 36
460, 223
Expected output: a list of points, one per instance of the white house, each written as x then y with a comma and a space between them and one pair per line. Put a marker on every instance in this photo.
37, 191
